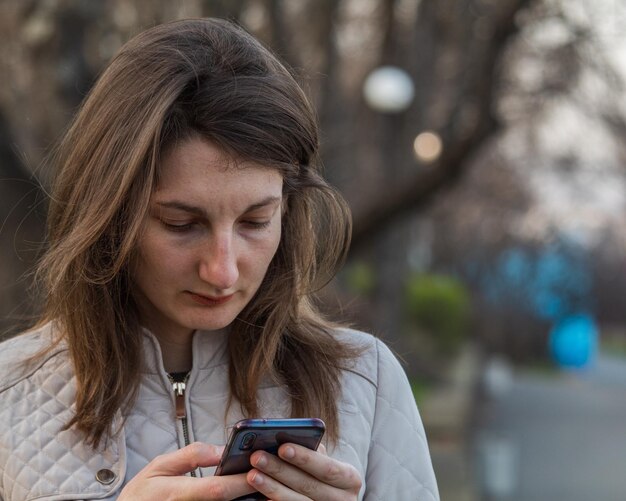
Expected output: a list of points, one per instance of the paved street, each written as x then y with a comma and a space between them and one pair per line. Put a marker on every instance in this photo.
553, 437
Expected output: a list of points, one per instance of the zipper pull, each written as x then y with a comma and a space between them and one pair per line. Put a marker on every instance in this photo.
179, 396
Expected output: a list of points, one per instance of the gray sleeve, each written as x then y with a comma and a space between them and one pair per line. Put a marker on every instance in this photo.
399, 465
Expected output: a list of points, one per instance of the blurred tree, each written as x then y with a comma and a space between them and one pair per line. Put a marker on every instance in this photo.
466, 59
562, 114
440, 304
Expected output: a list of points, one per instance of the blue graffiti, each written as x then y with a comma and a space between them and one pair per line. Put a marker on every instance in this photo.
553, 284
548, 283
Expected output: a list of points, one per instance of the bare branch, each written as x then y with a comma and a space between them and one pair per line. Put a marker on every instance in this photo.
479, 92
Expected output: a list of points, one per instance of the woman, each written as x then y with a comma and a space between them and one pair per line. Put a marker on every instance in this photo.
188, 229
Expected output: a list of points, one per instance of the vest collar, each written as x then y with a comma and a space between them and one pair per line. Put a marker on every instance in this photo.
209, 349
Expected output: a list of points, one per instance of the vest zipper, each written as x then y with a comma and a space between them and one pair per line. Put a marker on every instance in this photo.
179, 388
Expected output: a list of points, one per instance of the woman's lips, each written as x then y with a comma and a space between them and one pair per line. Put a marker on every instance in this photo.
210, 300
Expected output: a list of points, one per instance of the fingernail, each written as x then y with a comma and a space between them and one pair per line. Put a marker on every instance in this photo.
289, 452
257, 478
261, 461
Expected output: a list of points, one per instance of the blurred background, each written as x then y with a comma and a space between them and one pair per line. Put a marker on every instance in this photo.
480, 144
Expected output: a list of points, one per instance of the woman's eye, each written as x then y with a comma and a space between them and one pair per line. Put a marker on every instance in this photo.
177, 227
257, 225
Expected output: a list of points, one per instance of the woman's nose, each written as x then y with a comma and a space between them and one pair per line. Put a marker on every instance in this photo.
218, 263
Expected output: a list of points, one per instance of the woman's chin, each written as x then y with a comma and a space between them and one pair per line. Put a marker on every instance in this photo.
216, 322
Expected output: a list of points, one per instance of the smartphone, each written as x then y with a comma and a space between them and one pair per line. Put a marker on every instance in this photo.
251, 435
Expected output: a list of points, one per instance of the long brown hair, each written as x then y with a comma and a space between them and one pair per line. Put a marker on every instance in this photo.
210, 78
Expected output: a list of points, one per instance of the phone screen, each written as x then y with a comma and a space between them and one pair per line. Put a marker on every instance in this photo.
252, 435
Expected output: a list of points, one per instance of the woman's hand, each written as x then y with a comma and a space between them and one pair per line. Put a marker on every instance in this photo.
163, 478
300, 474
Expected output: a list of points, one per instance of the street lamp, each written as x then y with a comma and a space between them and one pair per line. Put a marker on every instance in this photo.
388, 89
427, 146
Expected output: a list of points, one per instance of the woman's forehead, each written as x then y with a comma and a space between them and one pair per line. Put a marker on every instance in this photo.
200, 172
200, 151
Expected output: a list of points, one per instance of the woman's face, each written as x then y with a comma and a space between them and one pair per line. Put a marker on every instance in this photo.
212, 229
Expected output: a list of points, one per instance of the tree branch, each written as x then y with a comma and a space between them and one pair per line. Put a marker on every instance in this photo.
481, 90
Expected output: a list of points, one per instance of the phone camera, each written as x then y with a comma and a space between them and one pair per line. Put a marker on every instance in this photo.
247, 442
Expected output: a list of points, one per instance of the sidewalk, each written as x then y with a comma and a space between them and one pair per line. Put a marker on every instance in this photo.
564, 432
447, 414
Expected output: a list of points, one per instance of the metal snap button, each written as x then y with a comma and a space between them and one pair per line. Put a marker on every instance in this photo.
105, 476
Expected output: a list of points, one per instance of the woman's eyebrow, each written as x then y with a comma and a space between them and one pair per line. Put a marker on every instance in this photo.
174, 204
199, 211
263, 203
